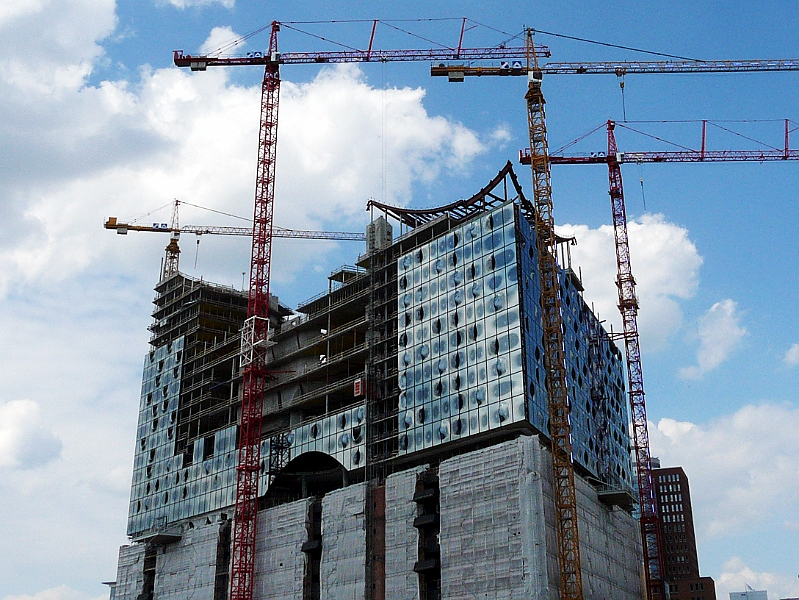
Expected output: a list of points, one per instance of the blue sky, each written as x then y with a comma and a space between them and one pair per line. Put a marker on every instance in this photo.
96, 122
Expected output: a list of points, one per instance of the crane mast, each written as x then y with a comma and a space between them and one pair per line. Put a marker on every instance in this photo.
571, 586
172, 257
254, 337
628, 307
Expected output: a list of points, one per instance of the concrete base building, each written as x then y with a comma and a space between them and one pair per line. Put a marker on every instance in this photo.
404, 444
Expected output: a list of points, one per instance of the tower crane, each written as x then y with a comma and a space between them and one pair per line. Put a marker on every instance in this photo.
515, 61
254, 332
282, 232
571, 586
172, 258
628, 301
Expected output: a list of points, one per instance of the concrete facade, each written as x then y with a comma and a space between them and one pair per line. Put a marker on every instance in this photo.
498, 530
280, 562
402, 539
497, 539
130, 572
492, 525
187, 568
344, 544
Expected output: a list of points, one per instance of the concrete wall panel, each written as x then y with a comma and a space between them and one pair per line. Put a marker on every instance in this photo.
610, 543
187, 569
498, 535
491, 526
344, 544
130, 572
280, 562
402, 539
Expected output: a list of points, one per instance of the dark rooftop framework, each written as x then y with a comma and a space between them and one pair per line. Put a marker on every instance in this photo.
491, 196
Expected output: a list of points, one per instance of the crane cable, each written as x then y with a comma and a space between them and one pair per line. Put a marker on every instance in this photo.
641, 179
623, 104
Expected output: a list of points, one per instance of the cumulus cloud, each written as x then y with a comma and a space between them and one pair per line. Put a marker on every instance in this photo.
14, 8
742, 467
501, 135
792, 356
338, 132
737, 575
61, 592
665, 263
48, 48
24, 442
218, 38
720, 333
118, 147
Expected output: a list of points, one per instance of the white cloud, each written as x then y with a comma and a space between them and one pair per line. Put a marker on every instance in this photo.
117, 148
47, 48
742, 467
665, 263
10, 9
62, 592
737, 575
219, 37
187, 3
337, 132
24, 442
792, 356
501, 135
720, 333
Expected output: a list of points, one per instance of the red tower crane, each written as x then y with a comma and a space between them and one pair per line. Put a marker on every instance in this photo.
628, 301
254, 333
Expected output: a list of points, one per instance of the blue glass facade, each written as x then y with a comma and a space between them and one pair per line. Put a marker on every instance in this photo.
470, 361
470, 347
460, 355
168, 487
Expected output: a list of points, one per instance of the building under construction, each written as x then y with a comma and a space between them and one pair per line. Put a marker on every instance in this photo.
405, 447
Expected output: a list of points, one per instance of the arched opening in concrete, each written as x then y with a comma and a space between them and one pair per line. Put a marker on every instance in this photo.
312, 474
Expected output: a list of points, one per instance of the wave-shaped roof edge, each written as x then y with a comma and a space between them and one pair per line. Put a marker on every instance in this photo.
462, 209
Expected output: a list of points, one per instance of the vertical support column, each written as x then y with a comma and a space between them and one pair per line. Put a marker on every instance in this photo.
150, 559
704, 139
787, 138
222, 576
428, 523
377, 498
311, 585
